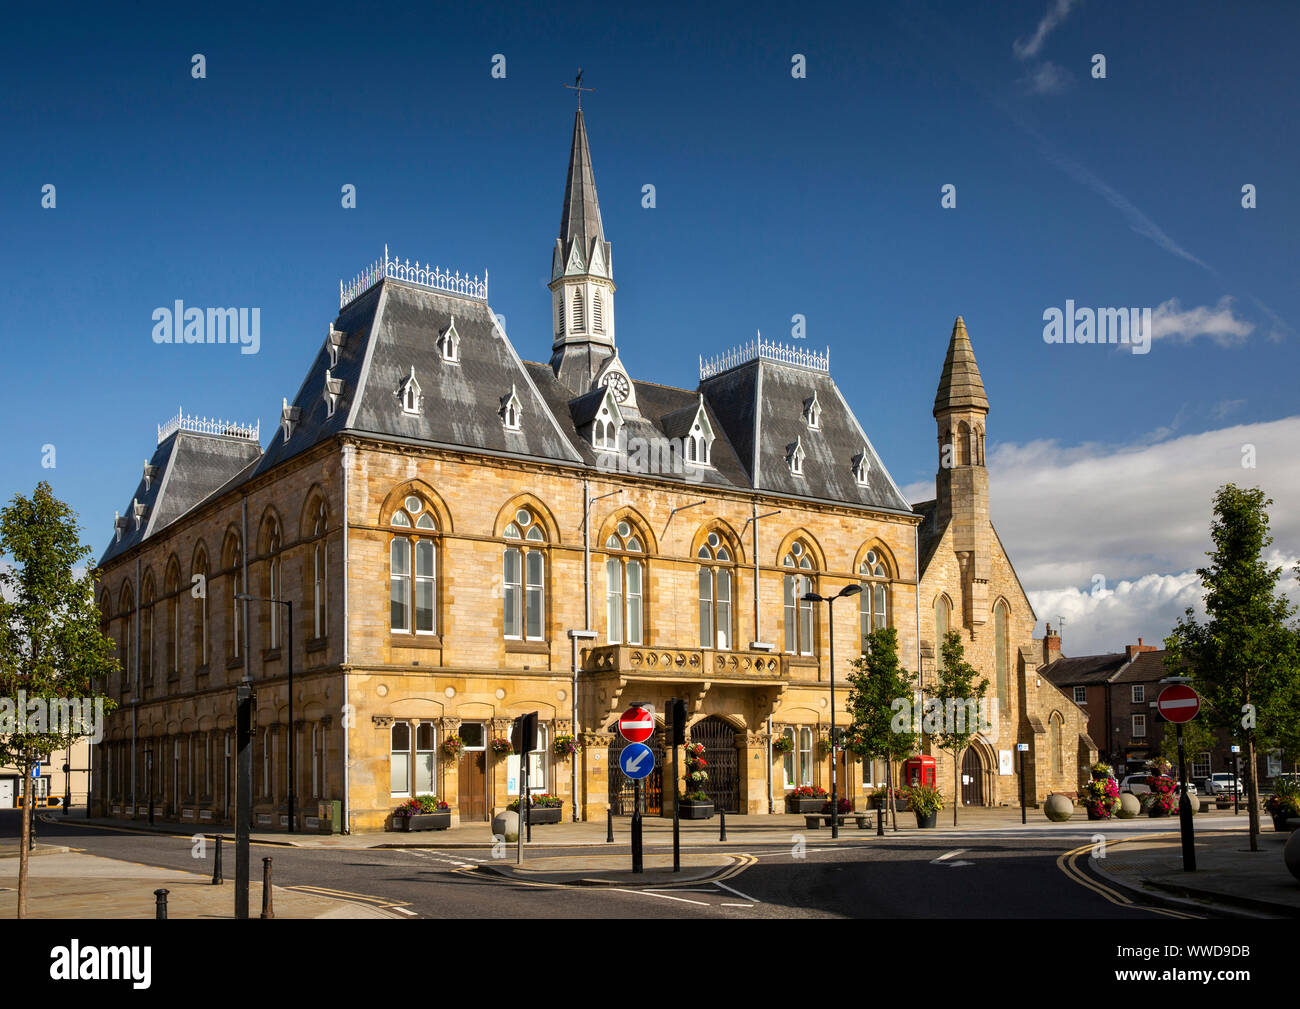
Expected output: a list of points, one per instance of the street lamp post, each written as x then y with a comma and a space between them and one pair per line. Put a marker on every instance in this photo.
292, 736
848, 590
148, 779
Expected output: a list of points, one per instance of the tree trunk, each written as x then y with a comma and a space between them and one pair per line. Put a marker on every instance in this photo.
24, 837
891, 801
956, 788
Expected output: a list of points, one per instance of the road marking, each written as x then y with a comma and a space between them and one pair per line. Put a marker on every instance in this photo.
321, 891
944, 858
752, 900
1067, 864
651, 893
735, 905
404, 911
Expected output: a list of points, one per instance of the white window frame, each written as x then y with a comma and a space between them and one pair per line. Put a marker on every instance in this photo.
788, 758
430, 755
1080, 695
539, 767
394, 753
1139, 726
1138, 693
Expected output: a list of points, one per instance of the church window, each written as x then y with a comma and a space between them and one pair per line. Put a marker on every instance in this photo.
1000, 654
624, 586
942, 612
524, 571
873, 602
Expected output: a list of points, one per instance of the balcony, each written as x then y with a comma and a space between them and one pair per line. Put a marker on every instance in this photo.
684, 663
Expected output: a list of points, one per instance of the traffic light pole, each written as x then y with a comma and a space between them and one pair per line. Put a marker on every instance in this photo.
636, 830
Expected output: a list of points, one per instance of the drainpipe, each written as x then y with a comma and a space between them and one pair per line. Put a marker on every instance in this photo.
771, 801
753, 517
135, 689
346, 826
916, 553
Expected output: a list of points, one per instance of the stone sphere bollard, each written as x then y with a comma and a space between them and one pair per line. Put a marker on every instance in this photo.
1129, 806
1291, 853
506, 824
1058, 808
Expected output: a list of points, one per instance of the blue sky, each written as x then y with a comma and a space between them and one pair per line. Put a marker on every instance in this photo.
776, 196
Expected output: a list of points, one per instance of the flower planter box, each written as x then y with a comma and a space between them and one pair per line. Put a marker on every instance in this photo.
423, 821
805, 805
1279, 822
692, 809
544, 814
1098, 816
929, 820
1156, 812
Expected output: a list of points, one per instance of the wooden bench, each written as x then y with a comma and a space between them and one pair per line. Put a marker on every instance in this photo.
813, 821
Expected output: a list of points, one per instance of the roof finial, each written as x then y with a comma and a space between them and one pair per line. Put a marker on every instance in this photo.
577, 86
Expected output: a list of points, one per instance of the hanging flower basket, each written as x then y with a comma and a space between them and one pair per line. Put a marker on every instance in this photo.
452, 746
567, 745
502, 747
782, 744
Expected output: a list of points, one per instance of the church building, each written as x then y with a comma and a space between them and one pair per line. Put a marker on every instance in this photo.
465, 536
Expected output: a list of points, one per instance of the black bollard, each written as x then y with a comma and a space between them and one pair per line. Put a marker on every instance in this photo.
217, 877
722, 824
160, 905
268, 911
880, 822
609, 824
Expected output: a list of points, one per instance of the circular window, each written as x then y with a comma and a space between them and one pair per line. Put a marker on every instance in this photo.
713, 540
797, 549
624, 530
523, 516
871, 558
413, 504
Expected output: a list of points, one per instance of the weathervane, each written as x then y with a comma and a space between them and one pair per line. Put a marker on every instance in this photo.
577, 86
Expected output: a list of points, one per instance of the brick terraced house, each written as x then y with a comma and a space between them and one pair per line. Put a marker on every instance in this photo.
467, 536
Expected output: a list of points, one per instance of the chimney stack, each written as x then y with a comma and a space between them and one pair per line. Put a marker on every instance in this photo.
1133, 650
1051, 645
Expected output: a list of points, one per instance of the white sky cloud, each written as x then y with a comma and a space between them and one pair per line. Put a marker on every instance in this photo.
1047, 79
1055, 14
1136, 515
1171, 321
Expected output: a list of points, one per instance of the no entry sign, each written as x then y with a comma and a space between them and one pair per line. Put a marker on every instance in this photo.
1178, 703
636, 725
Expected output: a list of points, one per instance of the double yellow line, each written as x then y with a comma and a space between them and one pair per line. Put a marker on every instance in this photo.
365, 898
1068, 864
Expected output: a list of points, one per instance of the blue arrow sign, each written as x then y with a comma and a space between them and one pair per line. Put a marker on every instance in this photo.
636, 760
36, 772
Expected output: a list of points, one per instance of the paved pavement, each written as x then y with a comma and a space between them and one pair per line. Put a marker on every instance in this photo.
1227, 871
65, 883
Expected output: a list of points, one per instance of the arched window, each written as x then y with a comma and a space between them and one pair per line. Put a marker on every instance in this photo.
1000, 654
805, 755
624, 585
942, 611
798, 610
146, 628
525, 577
579, 315
234, 629
1054, 741
127, 606
963, 444
716, 581
873, 603
200, 608
274, 584
320, 609
172, 653
413, 577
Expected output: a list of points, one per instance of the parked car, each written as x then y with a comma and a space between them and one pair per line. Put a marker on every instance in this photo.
1221, 782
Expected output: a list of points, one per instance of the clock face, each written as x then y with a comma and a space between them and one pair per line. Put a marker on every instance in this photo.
618, 384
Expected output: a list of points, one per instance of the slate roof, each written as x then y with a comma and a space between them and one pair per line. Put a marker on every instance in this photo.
1083, 670
1146, 667
930, 532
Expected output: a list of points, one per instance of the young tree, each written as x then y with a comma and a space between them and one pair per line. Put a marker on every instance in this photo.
958, 701
877, 682
1243, 659
51, 646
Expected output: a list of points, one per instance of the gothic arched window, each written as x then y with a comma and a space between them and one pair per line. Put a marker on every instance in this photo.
798, 610
873, 603
717, 583
412, 568
624, 586
525, 577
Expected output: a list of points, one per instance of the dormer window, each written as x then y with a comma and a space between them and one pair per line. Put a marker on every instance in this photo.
861, 467
138, 511
333, 393
150, 475
288, 418
794, 454
120, 523
334, 344
511, 410
812, 413
408, 392
609, 421
449, 343
699, 439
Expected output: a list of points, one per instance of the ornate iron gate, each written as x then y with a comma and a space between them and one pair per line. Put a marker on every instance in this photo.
719, 740
622, 792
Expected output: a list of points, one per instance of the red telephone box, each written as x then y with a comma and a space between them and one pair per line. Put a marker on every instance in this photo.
918, 770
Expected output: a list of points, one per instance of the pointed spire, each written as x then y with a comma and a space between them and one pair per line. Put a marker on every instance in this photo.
960, 386
580, 219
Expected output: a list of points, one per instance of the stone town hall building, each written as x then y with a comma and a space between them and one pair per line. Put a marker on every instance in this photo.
467, 536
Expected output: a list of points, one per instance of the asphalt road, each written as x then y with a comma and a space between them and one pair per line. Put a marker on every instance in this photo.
994, 874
